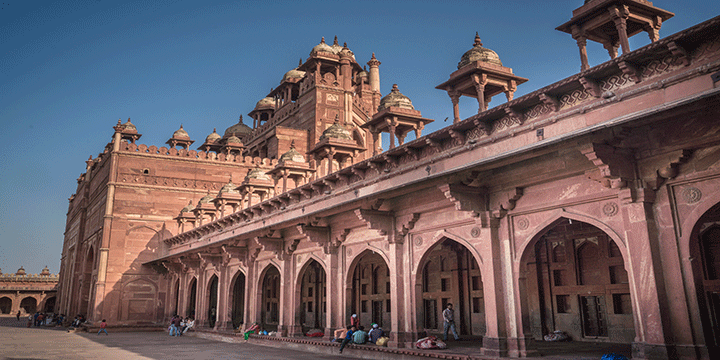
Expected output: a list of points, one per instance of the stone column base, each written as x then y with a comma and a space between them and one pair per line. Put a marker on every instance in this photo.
656, 351
508, 347
295, 330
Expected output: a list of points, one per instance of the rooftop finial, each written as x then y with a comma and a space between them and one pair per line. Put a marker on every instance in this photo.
322, 41
119, 121
337, 119
240, 121
335, 42
300, 62
292, 144
373, 57
395, 88
478, 42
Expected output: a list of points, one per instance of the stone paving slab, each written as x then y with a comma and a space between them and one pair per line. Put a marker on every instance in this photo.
19, 342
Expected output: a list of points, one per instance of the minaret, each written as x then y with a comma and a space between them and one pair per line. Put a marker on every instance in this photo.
375, 80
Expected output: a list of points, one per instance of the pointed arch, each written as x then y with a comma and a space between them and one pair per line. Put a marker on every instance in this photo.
212, 300
441, 236
268, 297
237, 298
310, 295
368, 287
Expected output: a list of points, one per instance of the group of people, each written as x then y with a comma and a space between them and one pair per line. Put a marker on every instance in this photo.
43, 319
180, 325
356, 334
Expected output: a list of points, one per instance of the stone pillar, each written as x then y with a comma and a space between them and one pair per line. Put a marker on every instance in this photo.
334, 290
582, 45
224, 316
647, 284
620, 16
480, 82
399, 336
374, 65
287, 301
392, 129
455, 98
375, 144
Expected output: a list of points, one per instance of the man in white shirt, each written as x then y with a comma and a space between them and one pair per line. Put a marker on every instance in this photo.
449, 322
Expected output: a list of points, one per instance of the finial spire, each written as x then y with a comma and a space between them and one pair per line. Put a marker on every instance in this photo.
300, 62
292, 144
322, 41
335, 42
395, 88
240, 119
337, 119
373, 56
478, 42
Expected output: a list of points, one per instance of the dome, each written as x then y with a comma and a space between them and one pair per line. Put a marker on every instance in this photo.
181, 134
129, 126
21, 271
266, 103
233, 140
479, 53
188, 208
336, 46
293, 74
256, 173
212, 137
336, 131
292, 155
362, 73
228, 188
238, 128
45, 271
322, 47
206, 199
395, 98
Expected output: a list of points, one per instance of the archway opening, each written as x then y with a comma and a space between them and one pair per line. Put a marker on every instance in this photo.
192, 297
49, 305
29, 304
238, 301
270, 314
450, 275
5, 305
312, 305
370, 291
575, 281
212, 301
705, 246
86, 289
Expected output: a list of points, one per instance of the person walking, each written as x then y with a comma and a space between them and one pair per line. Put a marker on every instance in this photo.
103, 326
18, 315
449, 322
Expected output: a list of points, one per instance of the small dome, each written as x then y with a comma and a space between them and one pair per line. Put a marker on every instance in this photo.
266, 103
206, 199
256, 173
238, 128
21, 271
336, 131
362, 73
336, 46
233, 140
212, 137
45, 271
228, 188
129, 126
181, 134
395, 98
322, 47
188, 208
293, 74
479, 53
292, 155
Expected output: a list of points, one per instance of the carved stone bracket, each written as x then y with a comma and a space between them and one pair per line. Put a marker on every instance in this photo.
679, 52
550, 100
273, 244
507, 202
515, 114
630, 70
405, 228
614, 166
234, 252
383, 221
591, 86
319, 235
466, 198
670, 171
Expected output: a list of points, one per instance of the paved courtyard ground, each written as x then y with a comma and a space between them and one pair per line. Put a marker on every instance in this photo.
19, 342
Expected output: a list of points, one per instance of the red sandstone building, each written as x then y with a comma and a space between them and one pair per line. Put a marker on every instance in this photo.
28, 293
590, 205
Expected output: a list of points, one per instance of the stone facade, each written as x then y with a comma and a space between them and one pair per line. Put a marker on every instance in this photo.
28, 293
588, 206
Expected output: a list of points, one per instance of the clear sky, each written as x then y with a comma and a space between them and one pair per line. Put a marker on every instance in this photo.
70, 69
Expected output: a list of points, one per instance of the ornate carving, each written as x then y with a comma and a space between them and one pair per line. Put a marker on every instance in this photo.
475, 232
523, 223
418, 241
614, 166
691, 195
610, 208
550, 101
630, 70
466, 198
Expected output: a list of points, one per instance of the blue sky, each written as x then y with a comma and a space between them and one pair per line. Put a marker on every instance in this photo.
70, 69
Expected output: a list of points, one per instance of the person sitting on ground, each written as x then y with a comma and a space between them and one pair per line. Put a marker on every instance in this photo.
253, 329
339, 334
183, 324
172, 329
360, 336
190, 324
375, 333
348, 337
176, 323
